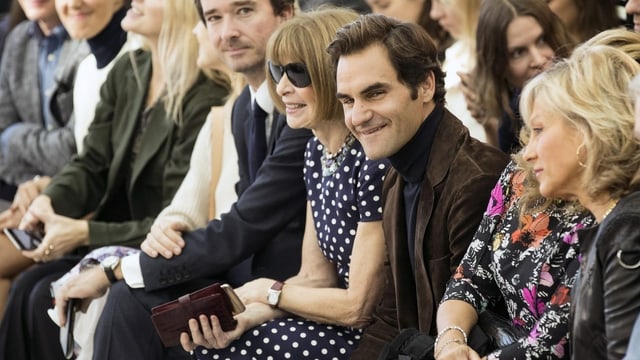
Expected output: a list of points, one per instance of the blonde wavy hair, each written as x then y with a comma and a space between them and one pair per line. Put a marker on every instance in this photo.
304, 39
590, 91
178, 51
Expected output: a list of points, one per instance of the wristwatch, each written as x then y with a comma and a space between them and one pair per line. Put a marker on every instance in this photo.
109, 265
273, 295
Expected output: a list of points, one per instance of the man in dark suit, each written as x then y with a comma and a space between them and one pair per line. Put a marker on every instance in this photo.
261, 236
392, 89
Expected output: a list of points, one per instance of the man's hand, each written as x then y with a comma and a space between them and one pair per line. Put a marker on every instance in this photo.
164, 239
89, 284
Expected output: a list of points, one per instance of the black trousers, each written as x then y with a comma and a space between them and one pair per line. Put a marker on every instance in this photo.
27, 332
125, 330
7, 191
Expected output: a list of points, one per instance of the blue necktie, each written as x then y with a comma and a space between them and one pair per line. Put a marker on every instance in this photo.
257, 140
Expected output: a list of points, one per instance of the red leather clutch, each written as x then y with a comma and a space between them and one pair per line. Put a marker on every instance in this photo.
172, 318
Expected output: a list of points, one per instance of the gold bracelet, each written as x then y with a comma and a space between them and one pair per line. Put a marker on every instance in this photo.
445, 345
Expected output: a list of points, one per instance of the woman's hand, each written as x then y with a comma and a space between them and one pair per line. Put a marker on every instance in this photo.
207, 332
455, 351
10, 218
255, 291
62, 234
164, 239
473, 104
28, 191
31, 220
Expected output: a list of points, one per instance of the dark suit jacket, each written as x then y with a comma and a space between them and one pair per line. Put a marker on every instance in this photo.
262, 233
34, 149
126, 196
460, 175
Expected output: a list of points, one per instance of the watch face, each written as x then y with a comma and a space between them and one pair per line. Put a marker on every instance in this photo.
110, 262
272, 297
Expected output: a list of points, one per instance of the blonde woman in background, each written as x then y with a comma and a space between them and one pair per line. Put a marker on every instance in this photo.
459, 18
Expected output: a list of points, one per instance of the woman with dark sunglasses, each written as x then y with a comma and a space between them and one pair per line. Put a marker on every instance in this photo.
319, 313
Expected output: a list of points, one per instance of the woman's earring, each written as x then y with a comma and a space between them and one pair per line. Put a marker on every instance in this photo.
578, 155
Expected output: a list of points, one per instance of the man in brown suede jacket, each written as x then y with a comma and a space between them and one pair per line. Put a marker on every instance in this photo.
392, 89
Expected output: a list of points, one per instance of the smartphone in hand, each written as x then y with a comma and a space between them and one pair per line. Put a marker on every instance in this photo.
24, 240
66, 333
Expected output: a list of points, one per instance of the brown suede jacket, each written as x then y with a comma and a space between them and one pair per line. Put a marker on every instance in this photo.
460, 174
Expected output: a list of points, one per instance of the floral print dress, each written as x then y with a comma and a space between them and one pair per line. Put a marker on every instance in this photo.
529, 263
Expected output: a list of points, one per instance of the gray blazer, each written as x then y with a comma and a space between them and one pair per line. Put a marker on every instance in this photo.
32, 149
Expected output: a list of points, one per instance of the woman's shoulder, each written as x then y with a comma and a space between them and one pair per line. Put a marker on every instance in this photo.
208, 90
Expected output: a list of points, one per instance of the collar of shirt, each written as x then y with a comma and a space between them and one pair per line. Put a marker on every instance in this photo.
58, 34
412, 159
262, 97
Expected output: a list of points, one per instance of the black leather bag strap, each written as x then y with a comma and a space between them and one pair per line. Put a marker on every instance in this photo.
410, 344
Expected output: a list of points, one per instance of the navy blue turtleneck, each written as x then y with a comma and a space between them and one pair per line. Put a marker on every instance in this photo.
107, 44
411, 163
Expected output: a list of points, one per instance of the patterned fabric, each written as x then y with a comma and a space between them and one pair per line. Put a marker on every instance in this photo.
339, 201
529, 263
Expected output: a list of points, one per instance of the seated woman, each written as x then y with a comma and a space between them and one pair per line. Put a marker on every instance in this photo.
519, 39
582, 146
107, 41
535, 244
153, 104
318, 312
633, 351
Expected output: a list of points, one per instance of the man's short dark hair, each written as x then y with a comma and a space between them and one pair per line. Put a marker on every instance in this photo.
279, 6
411, 50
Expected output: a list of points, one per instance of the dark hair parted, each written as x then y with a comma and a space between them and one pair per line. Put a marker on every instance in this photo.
493, 55
595, 16
279, 6
411, 50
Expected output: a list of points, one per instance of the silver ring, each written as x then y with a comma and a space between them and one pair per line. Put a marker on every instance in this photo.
630, 267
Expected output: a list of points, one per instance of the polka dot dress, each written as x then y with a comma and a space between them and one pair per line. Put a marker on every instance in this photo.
341, 196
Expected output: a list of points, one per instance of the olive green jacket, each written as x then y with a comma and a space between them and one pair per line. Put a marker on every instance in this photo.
124, 196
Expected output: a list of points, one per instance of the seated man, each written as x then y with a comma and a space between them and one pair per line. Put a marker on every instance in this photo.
392, 89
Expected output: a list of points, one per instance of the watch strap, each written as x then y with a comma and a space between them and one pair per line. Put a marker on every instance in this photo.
111, 275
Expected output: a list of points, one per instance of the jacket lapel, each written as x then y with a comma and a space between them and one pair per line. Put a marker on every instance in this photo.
136, 96
154, 135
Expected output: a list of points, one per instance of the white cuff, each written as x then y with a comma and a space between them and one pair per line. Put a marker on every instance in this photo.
131, 271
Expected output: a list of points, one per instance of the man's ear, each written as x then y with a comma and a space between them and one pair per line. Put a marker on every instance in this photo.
427, 88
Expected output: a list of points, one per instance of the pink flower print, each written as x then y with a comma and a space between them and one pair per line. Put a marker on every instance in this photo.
496, 202
572, 237
558, 349
545, 277
530, 296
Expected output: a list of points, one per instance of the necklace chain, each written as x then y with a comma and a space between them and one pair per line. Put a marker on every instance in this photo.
606, 213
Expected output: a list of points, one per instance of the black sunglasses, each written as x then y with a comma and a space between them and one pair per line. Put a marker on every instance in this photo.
297, 73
